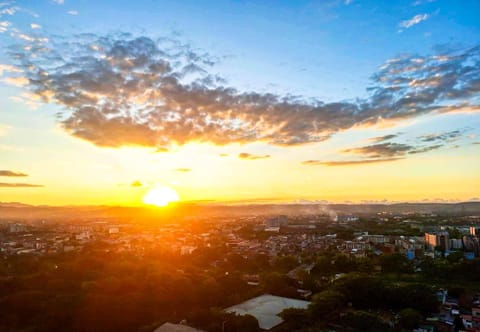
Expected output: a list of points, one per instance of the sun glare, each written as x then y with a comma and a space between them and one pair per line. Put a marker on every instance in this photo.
160, 196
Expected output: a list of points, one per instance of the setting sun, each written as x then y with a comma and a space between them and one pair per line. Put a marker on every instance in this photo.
160, 196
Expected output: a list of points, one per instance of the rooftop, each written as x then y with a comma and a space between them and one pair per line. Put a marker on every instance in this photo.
265, 309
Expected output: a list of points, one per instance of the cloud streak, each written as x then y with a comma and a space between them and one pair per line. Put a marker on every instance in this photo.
347, 162
379, 139
449, 136
19, 185
12, 173
183, 170
413, 21
249, 156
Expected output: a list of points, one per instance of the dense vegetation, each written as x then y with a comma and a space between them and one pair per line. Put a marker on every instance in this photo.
101, 290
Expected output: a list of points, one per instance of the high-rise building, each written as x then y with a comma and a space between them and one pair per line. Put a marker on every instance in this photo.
437, 239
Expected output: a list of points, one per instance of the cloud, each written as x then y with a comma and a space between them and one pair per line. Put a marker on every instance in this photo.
59, 2
183, 170
16, 81
136, 183
35, 26
379, 139
223, 154
9, 68
348, 2
4, 25
413, 21
381, 150
11, 173
9, 10
249, 156
123, 90
390, 149
347, 162
19, 185
421, 2
72, 12
449, 136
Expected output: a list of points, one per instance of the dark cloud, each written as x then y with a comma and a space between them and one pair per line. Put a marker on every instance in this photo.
449, 136
425, 149
387, 150
136, 183
347, 162
183, 170
249, 156
384, 138
381, 150
19, 185
119, 90
11, 173
427, 143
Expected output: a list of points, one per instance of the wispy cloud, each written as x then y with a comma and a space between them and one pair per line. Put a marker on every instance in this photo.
183, 170
17, 81
59, 2
9, 68
413, 21
381, 150
449, 136
11, 173
4, 25
72, 12
421, 2
19, 185
347, 162
390, 149
382, 138
250, 156
35, 26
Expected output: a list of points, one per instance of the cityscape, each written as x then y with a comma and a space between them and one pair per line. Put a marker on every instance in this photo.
240, 166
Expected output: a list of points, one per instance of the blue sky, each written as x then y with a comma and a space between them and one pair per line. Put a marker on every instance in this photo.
323, 55
322, 49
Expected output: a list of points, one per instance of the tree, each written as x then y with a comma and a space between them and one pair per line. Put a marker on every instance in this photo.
409, 318
395, 263
295, 318
326, 304
364, 321
455, 257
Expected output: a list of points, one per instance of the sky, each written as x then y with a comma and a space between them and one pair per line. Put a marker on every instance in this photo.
239, 101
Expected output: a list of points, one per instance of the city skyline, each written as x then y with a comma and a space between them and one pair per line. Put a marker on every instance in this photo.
234, 101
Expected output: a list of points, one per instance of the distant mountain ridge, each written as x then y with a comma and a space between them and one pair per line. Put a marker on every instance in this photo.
16, 211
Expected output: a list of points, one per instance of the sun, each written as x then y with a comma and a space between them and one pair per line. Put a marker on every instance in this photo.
160, 196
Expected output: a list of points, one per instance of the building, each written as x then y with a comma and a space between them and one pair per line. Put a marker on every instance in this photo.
437, 239
276, 221
169, 327
266, 308
475, 231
